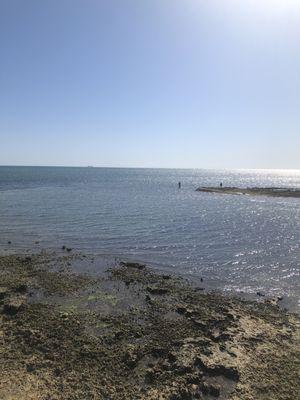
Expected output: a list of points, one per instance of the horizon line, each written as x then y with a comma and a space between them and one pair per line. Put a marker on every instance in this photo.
119, 167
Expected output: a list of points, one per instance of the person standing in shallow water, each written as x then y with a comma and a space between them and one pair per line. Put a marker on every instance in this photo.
221, 185
179, 185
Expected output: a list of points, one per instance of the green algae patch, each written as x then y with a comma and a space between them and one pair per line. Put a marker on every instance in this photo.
104, 297
102, 325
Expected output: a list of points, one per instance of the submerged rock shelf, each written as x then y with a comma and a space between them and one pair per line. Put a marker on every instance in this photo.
255, 191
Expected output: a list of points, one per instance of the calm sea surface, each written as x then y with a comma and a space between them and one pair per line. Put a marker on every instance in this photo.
238, 243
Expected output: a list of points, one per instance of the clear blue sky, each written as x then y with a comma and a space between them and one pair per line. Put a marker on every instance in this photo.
150, 83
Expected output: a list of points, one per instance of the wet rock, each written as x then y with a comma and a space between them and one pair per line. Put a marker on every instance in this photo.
172, 357
166, 277
30, 367
69, 249
199, 323
158, 352
3, 292
273, 301
149, 299
183, 309
26, 259
197, 341
134, 265
150, 376
156, 290
22, 288
260, 294
212, 368
210, 389
183, 394
9, 242
13, 305
130, 358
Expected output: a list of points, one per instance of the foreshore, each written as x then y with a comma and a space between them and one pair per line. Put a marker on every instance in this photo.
255, 191
132, 333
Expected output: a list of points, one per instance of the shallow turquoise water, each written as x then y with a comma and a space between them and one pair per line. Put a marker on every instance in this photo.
234, 242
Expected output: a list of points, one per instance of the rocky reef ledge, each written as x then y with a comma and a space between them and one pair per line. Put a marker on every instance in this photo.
255, 191
132, 333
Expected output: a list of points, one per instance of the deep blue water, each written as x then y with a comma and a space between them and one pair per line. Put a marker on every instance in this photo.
234, 242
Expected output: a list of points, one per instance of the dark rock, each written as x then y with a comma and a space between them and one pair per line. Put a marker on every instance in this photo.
210, 389
182, 309
150, 376
156, 290
13, 305
199, 323
130, 359
172, 357
166, 277
57, 372
149, 299
30, 367
158, 352
69, 249
133, 265
3, 292
22, 288
9, 242
260, 294
227, 371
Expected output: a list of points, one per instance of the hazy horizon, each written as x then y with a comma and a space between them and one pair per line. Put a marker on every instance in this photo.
134, 167
152, 84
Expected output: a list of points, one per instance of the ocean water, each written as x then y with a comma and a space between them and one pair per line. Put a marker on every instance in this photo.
238, 243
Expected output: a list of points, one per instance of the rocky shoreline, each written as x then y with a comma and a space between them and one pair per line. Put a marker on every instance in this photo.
255, 191
132, 333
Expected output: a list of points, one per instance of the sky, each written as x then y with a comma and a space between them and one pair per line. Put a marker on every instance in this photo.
150, 83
